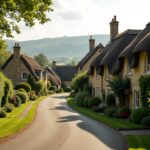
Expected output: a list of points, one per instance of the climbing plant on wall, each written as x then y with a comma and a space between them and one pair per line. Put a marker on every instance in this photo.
144, 83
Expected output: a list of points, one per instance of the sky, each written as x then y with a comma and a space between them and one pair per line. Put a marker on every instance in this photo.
88, 17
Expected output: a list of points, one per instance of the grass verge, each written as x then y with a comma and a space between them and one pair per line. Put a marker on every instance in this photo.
140, 142
112, 122
14, 123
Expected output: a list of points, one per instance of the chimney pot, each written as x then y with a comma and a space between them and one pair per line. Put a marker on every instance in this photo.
91, 43
17, 50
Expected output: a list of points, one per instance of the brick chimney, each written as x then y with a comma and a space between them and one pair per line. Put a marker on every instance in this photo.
114, 27
17, 50
91, 43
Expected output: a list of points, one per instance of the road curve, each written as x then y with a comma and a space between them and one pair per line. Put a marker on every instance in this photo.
58, 127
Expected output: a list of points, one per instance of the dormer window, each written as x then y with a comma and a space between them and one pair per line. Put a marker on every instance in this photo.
24, 76
147, 65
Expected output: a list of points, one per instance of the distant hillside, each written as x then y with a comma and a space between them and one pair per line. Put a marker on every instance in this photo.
59, 48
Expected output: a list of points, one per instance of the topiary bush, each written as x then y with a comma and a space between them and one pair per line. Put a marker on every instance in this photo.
146, 121
95, 101
109, 111
80, 97
110, 100
52, 88
138, 114
3, 113
32, 95
23, 85
23, 96
67, 89
21, 90
16, 101
8, 107
40, 88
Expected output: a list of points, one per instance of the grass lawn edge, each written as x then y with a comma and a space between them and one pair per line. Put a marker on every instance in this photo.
28, 120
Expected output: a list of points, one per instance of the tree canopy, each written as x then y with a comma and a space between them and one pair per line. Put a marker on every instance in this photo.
28, 11
42, 60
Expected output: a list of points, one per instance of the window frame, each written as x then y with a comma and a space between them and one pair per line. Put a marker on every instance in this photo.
22, 75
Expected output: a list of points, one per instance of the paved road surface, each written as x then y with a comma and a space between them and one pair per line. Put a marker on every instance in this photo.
57, 127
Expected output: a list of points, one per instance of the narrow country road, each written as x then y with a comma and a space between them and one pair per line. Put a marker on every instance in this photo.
58, 127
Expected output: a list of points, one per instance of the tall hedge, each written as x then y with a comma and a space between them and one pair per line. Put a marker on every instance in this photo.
144, 82
40, 88
1, 86
8, 91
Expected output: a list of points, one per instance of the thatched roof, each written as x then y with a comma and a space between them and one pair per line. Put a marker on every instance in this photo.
116, 46
53, 77
30, 63
139, 43
89, 55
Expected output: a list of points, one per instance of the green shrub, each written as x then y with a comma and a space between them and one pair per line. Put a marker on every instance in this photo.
52, 88
51, 92
86, 102
40, 88
23, 85
146, 121
122, 112
3, 113
16, 101
8, 107
32, 95
80, 97
31, 81
138, 114
23, 96
110, 100
1, 86
67, 89
21, 90
95, 101
109, 111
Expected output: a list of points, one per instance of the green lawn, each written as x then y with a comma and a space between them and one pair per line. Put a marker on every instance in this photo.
142, 142
113, 122
13, 123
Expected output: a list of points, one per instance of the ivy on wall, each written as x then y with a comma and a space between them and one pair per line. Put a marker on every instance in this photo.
144, 82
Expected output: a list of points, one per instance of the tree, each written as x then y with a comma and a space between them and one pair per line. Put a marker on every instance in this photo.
27, 11
42, 60
4, 54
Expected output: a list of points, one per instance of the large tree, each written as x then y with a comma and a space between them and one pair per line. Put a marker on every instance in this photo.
42, 60
29, 11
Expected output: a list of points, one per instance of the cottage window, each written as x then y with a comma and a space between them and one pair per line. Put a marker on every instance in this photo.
97, 75
24, 76
136, 99
147, 65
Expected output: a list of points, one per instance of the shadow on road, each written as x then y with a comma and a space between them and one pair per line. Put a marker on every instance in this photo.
105, 134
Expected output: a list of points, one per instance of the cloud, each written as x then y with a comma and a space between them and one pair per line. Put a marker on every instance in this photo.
69, 15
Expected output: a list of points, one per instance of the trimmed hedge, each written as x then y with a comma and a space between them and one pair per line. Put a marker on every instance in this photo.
40, 88
139, 114
23, 96
23, 85
32, 95
3, 113
146, 121
16, 101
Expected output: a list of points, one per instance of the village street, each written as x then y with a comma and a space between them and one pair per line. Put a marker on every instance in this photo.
58, 127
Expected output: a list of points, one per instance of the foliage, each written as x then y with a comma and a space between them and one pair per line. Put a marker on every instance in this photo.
8, 91
146, 121
32, 95
110, 100
95, 101
23, 96
138, 114
109, 111
15, 11
3, 113
42, 60
8, 107
119, 86
15, 100
79, 81
80, 97
23, 85
122, 112
31, 81
4, 54
40, 88
144, 89
1, 86
67, 89
52, 88
22, 90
